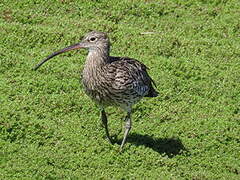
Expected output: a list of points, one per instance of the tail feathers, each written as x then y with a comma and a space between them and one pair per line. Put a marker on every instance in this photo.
152, 93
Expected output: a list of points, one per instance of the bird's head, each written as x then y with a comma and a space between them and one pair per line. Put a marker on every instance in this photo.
92, 41
95, 40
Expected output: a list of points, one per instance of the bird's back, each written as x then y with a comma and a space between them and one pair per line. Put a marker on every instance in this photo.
136, 73
123, 81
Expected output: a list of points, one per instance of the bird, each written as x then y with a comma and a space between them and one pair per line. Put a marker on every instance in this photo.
110, 80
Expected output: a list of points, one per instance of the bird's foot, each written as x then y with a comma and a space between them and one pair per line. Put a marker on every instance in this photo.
120, 150
109, 139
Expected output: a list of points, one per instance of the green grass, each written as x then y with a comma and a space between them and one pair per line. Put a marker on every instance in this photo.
49, 129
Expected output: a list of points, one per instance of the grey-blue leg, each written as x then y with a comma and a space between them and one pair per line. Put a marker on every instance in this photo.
128, 126
105, 124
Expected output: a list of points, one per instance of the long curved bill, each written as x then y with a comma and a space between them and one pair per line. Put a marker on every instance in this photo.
69, 48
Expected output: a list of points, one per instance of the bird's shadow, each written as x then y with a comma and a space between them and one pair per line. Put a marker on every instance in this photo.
169, 146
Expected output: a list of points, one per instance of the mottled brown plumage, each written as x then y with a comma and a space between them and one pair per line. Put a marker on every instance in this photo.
111, 81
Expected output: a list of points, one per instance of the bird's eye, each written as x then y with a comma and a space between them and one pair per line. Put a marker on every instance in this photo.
92, 39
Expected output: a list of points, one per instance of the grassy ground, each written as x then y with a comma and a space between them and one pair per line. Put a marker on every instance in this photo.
49, 129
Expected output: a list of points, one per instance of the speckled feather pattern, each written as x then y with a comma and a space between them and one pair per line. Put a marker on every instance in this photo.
117, 81
111, 81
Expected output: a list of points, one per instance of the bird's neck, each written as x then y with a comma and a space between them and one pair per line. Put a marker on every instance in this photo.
96, 59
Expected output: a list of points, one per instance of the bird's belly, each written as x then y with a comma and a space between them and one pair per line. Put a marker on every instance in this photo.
110, 94
112, 98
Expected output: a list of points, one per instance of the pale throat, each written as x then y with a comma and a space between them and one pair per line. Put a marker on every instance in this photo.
96, 59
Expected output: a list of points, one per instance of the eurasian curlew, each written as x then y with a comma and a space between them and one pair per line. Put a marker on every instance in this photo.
111, 81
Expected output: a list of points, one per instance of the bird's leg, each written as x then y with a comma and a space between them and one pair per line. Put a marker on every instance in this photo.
105, 124
127, 129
